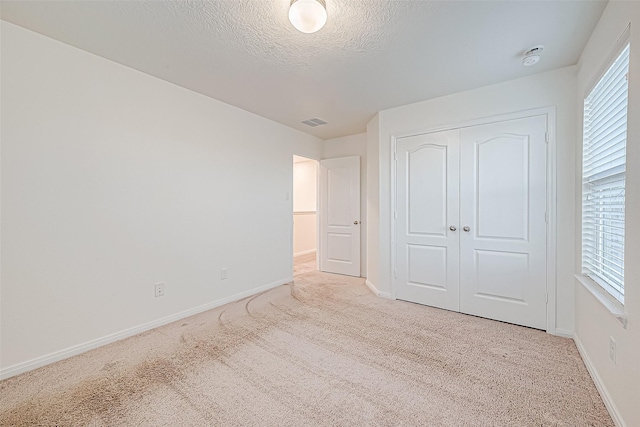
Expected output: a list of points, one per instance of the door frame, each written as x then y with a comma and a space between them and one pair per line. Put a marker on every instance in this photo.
551, 196
317, 160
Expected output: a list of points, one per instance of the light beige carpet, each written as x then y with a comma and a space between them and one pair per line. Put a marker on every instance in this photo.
304, 264
323, 352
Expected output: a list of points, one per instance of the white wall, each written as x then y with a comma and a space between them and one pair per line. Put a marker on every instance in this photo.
305, 227
555, 88
305, 186
594, 323
311, 148
305, 190
113, 180
373, 205
354, 145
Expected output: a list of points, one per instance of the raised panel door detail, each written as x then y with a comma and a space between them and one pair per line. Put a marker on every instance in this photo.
501, 275
502, 176
339, 197
427, 266
427, 181
339, 247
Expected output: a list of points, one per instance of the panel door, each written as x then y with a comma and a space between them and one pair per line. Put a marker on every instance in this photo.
427, 263
340, 215
502, 214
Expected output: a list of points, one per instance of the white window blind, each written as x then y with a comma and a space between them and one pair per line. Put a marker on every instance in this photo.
603, 178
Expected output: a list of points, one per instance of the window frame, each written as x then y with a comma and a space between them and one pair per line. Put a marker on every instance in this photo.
613, 290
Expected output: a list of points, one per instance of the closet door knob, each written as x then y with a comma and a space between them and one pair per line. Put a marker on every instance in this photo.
453, 228
466, 228
356, 222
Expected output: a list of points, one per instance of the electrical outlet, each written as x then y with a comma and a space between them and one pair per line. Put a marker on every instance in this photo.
159, 287
612, 349
224, 274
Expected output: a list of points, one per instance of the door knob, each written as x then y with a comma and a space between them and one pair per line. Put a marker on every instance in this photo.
453, 228
356, 222
466, 228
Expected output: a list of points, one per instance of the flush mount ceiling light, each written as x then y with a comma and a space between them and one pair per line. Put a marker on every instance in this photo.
532, 56
308, 16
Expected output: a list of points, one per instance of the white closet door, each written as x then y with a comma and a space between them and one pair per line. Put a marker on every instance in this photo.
340, 215
503, 204
427, 219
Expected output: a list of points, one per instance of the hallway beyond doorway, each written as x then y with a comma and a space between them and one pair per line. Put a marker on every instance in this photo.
303, 264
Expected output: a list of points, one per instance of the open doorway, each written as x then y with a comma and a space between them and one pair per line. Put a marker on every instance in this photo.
305, 215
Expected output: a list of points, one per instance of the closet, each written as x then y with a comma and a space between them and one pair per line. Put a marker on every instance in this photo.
471, 220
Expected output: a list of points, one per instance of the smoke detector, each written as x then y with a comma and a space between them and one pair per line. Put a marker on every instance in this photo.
532, 56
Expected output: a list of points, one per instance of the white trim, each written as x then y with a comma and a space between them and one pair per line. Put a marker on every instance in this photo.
617, 48
108, 339
604, 394
565, 333
394, 214
552, 233
612, 305
550, 112
308, 251
477, 122
319, 206
375, 290
319, 218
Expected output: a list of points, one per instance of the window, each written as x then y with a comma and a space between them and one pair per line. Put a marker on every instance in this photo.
603, 178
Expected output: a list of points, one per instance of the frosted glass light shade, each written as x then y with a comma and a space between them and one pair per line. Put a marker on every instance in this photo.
308, 16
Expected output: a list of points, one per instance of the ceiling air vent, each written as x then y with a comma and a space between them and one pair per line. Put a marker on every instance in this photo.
314, 122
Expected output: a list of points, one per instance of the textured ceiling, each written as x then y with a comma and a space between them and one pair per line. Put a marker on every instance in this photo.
371, 55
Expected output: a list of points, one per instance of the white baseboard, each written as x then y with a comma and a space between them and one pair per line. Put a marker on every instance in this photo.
99, 342
565, 333
375, 290
606, 398
309, 251
370, 286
